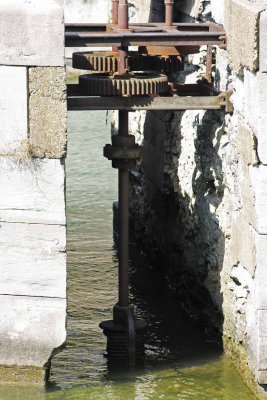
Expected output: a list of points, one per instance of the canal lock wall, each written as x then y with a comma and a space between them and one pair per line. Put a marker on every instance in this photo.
198, 197
33, 125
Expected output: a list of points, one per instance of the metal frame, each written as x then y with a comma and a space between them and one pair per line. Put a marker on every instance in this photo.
187, 97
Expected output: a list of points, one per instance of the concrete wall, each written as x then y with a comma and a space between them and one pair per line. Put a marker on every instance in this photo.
199, 196
32, 184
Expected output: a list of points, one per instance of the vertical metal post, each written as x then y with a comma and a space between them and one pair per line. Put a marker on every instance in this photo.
123, 20
123, 221
209, 64
169, 12
115, 6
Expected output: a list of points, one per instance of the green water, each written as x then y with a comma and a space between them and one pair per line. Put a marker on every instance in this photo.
181, 361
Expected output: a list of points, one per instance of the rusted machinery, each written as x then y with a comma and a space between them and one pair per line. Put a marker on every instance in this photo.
130, 80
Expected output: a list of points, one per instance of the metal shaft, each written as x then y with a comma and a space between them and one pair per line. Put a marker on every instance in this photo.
169, 12
123, 20
115, 10
123, 221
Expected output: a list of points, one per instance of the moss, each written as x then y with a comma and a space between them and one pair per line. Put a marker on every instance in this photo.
22, 375
237, 354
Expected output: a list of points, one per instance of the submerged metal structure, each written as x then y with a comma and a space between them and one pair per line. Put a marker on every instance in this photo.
131, 80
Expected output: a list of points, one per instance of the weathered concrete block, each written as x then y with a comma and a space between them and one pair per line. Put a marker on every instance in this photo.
47, 112
263, 42
31, 33
242, 247
255, 110
13, 108
258, 176
32, 191
31, 329
242, 29
246, 144
33, 260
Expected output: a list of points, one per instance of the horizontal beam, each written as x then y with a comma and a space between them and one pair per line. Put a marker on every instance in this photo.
174, 103
170, 38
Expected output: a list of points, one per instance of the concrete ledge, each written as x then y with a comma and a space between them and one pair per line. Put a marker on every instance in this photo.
31, 33
47, 112
32, 191
13, 108
242, 29
32, 328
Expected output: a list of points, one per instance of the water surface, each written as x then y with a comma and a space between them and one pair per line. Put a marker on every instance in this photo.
182, 362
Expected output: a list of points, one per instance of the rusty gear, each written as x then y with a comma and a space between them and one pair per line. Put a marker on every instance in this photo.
139, 84
103, 61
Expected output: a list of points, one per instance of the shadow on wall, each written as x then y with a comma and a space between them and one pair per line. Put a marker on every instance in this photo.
175, 208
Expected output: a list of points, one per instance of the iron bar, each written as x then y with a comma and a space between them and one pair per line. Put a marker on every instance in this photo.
102, 27
115, 11
169, 12
125, 39
123, 221
123, 19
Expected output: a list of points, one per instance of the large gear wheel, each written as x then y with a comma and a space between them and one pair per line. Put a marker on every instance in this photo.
139, 84
104, 61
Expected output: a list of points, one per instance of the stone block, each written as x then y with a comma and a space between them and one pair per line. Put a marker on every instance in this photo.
246, 144
242, 30
255, 110
250, 94
33, 260
32, 191
13, 108
242, 247
31, 33
258, 177
47, 112
32, 328
261, 272
263, 42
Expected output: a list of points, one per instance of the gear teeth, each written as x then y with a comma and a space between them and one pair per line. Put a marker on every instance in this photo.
106, 62
140, 84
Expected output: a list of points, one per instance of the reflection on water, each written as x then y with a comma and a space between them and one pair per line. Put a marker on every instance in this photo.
181, 363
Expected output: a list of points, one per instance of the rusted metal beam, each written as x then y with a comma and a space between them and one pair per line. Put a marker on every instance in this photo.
170, 38
85, 27
191, 99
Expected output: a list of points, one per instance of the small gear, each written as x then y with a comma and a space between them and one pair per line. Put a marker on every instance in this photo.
103, 61
139, 84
